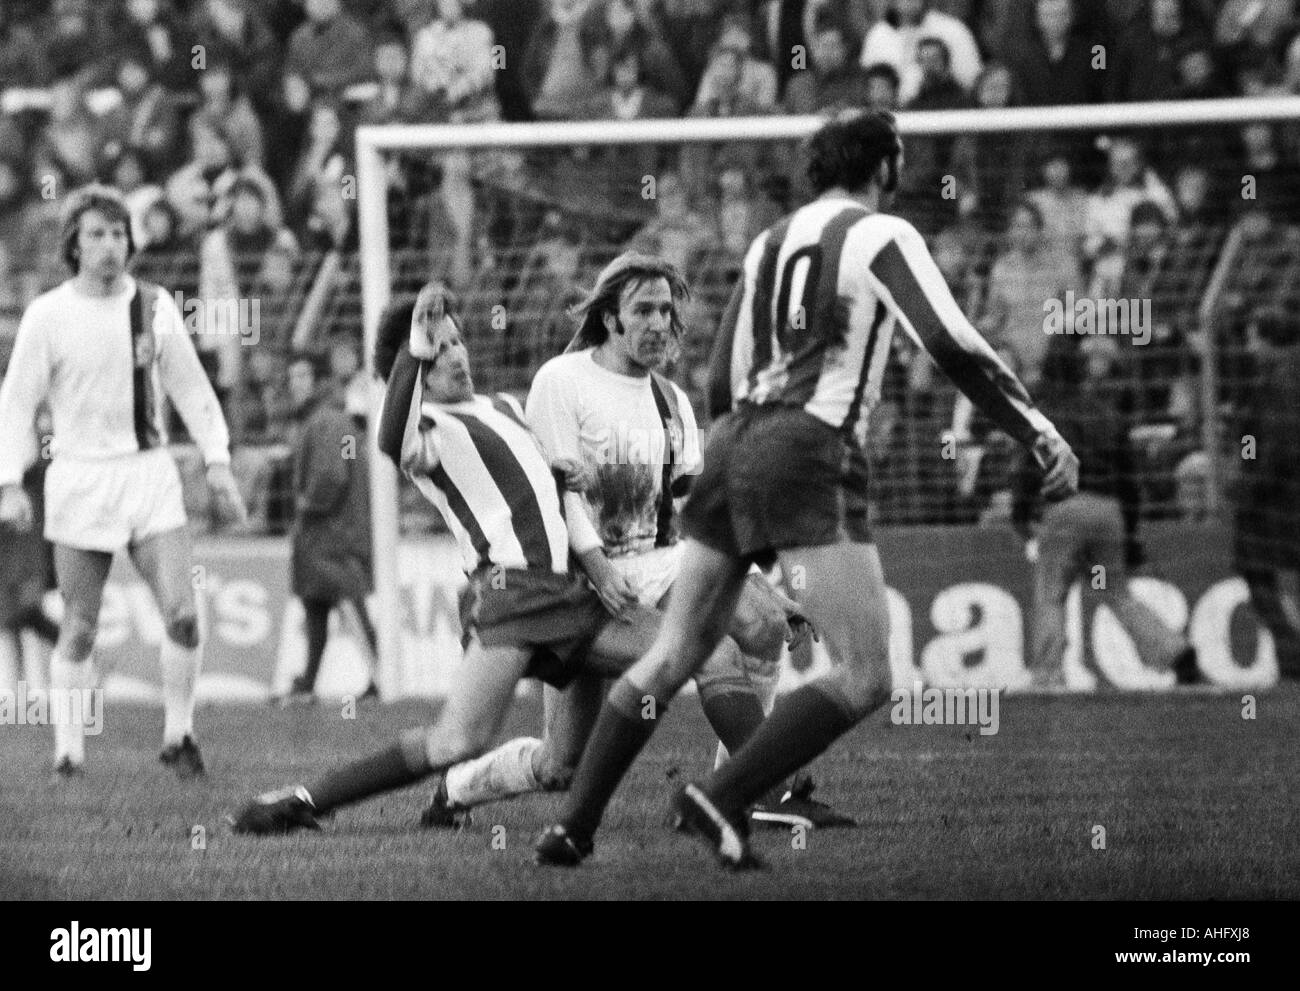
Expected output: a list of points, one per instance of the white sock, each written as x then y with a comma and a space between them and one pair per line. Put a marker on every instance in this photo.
180, 672
69, 733
498, 774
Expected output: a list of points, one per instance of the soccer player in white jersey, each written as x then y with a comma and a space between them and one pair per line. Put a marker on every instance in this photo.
525, 612
796, 369
103, 349
604, 404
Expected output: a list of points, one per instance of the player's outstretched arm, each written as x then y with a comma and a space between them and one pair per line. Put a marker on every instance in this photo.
909, 282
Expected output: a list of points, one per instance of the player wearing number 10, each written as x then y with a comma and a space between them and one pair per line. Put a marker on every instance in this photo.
796, 369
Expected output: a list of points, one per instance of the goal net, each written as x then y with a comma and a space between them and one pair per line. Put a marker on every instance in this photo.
1166, 233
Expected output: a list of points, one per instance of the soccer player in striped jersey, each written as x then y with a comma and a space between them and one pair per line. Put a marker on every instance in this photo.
525, 613
603, 403
796, 369
102, 349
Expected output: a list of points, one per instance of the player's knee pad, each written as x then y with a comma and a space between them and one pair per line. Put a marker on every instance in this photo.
183, 630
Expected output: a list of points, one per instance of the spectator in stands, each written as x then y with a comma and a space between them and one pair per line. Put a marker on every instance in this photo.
68, 41
231, 262
1276, 181
882, 87
331, 50
626, 26
323, 159
992, 169
1129, 182
128, 176
691, 28
928, 189
161, 233
20, 63
1198, 76
329, 225
757, 79
832, 79
676, 232
392, 97
148, 118
74, 136
539, 305
193, 188
630, 93
348, 377
1028, 273
162, 38
41, 264
261, 420
721, 95
1146, 61
555, 65
12, 197
230, 113
1053, 64
963, 254
287, 122
1246, 27
452, 62
235, 32
896, 40
1062, 204
331, 542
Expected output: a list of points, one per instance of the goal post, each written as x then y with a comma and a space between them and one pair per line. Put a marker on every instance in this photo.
375, 144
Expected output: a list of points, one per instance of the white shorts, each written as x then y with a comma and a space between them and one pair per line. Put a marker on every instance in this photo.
651, 574
110, 504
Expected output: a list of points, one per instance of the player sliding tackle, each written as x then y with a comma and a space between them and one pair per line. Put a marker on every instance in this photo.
796, 369
525, 613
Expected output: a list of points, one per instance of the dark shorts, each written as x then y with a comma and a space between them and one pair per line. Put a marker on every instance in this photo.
555, 616
777, 477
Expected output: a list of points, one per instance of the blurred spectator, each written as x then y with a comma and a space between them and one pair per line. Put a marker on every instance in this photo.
831, 79
391, 97
676, 232
882, 87
452, 63
129, 177
555, 64
225, 109
20, 63
630, 93
163, 41
1276, 181
927, 190
74, 137
1026, 275
1245, 26
193, 188
1129, 181
1192, 488
1062, 205
691, 27
322, 160
756, 80
896, 41
148, 117
962, 253
235, 32
1055, 62
161, 233
70, 40
625, 26
329, 225
232, 259
12, 196
288, 120
1198, 76
1146, 61
331, 50
992, 168
348, 377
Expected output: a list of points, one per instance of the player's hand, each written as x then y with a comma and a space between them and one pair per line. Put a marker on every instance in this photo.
15, 508
429, 312
1060, 466
227, 504
613, 589
798, 627
574, 474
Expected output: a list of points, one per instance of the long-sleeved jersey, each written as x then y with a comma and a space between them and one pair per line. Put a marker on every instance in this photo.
810, 322
104, 365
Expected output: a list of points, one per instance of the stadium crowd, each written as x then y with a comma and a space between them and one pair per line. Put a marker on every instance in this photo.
229, 123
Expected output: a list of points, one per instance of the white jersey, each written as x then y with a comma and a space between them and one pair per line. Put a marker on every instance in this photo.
613, 423
810, 322
104, 377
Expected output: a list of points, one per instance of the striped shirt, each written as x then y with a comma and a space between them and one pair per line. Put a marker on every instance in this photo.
482, 467
810, 322
104, 364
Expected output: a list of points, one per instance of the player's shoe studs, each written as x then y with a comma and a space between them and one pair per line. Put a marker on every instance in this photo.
797, 807
556, 847
441, 813
276, 812
183, 758
68, 770
695, 814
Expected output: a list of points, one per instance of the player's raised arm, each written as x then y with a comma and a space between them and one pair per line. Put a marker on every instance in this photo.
908, 281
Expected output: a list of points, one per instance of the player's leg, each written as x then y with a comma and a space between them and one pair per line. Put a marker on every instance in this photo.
371, 637
1059, 545
81, 575
844, 596
165, 562
699, 612
316, 624
480, 694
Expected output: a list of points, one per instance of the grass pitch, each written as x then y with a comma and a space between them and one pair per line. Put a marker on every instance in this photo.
1195, 802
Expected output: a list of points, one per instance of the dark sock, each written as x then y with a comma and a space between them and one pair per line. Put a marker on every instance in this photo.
32, 618
802, 725
317, 622
734, 716
619, 734
384, 771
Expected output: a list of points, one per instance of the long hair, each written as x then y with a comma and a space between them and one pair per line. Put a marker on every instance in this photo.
629, 268
95, 196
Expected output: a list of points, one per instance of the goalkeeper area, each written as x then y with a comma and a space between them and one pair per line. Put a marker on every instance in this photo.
1151, 797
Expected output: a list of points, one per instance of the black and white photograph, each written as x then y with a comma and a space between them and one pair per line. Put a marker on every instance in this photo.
652, 451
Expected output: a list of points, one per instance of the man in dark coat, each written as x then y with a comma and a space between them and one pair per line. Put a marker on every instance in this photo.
331, 534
